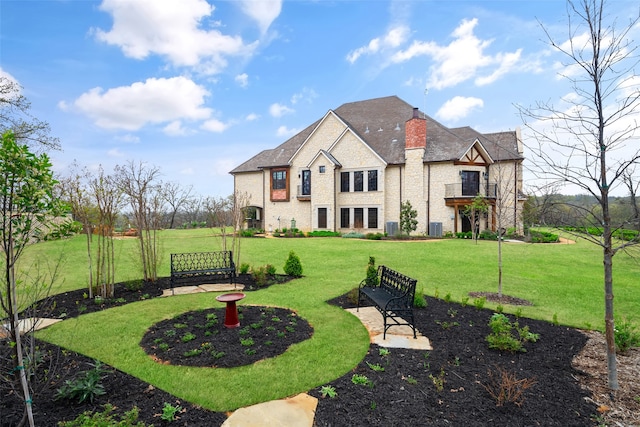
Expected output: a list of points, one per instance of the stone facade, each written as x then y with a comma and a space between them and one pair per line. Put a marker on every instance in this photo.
351, 171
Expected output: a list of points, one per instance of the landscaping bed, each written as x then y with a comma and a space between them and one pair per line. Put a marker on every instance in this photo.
450, 385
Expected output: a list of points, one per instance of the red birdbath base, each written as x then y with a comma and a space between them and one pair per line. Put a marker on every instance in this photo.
231, 313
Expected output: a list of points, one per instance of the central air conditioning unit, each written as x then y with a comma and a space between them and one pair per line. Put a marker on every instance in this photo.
435, 229
391, 228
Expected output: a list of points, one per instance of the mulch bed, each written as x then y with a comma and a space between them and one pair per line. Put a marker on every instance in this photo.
407, 392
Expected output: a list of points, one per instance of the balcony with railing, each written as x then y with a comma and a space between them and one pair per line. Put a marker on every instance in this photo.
460, 191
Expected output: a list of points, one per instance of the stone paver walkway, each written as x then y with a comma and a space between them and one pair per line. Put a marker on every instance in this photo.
397, 336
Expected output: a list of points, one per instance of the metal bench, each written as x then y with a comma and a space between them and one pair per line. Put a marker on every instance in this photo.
187, 268
393, 297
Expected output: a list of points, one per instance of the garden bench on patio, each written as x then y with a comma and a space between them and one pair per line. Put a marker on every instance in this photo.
393, 297
186, 267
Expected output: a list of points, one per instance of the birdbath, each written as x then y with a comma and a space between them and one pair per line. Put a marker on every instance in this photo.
231, 313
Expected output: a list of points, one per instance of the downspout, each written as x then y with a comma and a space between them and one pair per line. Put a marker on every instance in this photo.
264, 204
335, 199
428, 195
400, 178
515, 195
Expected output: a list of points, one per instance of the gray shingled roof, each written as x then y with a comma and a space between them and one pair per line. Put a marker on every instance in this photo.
380, 123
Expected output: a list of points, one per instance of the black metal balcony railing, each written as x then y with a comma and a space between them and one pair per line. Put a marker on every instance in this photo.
452, 191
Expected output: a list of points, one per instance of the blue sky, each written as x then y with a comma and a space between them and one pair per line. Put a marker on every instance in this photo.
196, 87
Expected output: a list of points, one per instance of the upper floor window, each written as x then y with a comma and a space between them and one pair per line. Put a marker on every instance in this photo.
321, 169
279, 180
344, 182
358, 181
306, 182
372, 185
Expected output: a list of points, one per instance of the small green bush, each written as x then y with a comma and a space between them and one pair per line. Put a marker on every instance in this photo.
503, 337
271, 270
419, 300
488, 235
374, 236
626, 335
543, 237
353, 235
134, 285
259, 274
292, 266
372, 273
105, 419
86, 386
323, 233
244, 268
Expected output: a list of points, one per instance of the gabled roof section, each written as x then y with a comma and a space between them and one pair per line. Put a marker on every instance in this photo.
500, 145
316, 127
328, 156
380, 124
475, 152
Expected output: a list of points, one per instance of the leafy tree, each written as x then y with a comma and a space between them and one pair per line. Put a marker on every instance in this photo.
590, 141
478, 206
28, 209
408, 215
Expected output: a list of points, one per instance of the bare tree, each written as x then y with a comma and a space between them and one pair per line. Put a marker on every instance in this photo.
74, 189
217, 209
240, 202
140, 184
591, 141
176, 196
15, 116
108, 198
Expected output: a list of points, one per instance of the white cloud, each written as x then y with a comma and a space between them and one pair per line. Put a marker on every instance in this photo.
251, 117
171, 29
115, 153
187, 171
392, 39
175, 128
461, 59
279, 110
242, 79
152, 101
283, 131
221, 167
8, 76
305, 94
458, 107
215, 125
506, 63
264, 12
128, 138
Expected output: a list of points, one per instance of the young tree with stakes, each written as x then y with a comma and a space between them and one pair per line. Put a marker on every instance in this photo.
591, 140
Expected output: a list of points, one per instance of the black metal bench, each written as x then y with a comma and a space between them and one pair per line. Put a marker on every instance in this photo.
393, 297
187, 268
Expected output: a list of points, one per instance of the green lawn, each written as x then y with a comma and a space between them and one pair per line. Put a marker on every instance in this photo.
561, 280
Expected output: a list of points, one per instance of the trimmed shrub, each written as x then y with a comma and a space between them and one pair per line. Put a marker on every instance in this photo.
292, 266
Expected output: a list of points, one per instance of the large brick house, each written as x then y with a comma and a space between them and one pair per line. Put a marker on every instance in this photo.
353, 168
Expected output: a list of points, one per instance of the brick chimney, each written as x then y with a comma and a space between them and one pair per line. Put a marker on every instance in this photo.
416, 131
